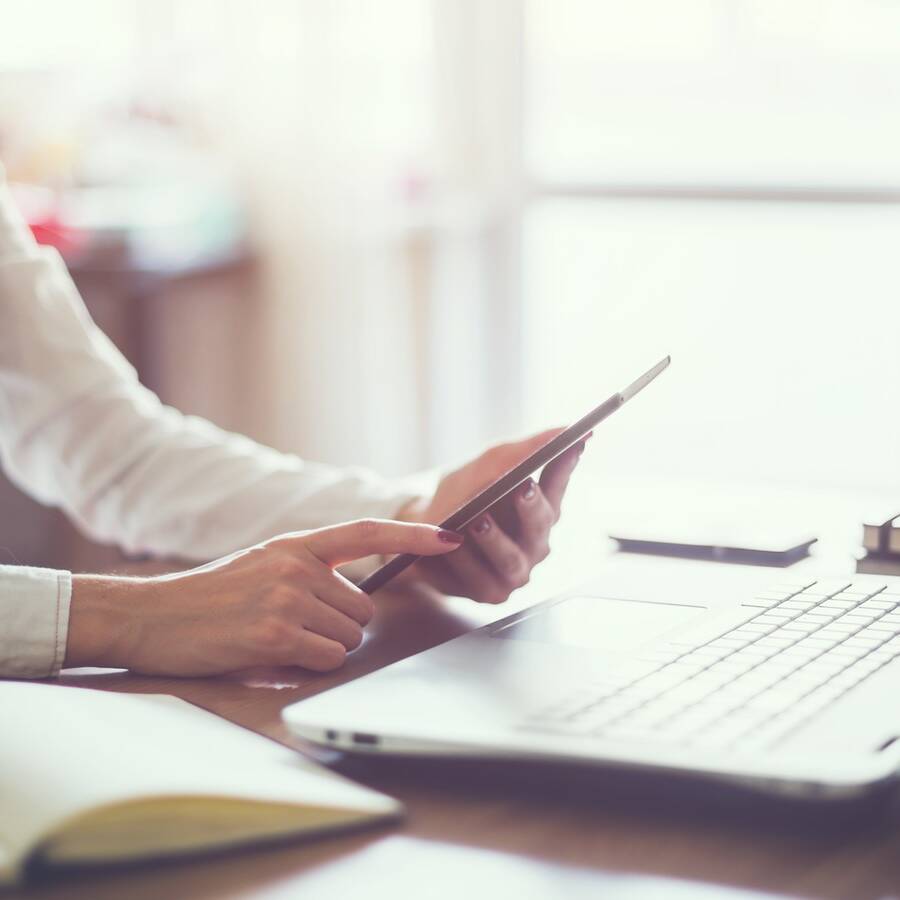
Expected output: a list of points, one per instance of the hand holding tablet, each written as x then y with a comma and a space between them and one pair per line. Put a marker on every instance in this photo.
508, 482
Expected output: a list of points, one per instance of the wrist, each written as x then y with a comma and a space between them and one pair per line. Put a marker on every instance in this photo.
103, 621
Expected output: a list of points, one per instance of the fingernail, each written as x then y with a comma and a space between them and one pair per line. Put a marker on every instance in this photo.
450, 537
529, 490
482, 525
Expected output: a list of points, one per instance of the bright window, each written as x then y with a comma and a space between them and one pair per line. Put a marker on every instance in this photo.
720, 181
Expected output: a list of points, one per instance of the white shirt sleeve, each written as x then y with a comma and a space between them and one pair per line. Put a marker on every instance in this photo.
34, 621
78, 431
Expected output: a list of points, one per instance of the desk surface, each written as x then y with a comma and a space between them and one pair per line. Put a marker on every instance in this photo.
468, 834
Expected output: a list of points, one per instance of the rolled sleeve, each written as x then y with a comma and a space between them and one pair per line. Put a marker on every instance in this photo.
34, 621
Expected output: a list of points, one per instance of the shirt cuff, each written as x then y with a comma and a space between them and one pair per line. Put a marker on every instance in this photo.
34, 613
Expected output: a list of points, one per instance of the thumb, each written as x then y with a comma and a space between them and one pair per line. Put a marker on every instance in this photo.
505, 456
365, 537
528, 445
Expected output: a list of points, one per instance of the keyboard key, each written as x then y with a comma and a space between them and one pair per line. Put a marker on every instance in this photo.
866, 590
706, 655
732, 667
860, 641
840, 627
770, 702
852, 596
859, 617
879, 604
778, 641
829, 586
773, 618
797, 604
796, 630
652, 685
846, 679
818, 699
784, 662
730, 643
819, 617
823, 669
867, 664
748, 688
752, 630
756, 654
838, 604
846, 656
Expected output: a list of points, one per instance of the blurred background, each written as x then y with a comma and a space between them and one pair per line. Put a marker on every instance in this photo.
389, 232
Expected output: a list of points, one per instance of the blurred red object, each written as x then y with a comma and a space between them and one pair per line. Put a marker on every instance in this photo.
52, 233
40, 207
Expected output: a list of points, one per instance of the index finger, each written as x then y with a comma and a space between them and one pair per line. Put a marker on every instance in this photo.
365, 537
555, 477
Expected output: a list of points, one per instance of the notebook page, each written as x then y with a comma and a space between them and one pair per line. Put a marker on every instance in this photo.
67, 750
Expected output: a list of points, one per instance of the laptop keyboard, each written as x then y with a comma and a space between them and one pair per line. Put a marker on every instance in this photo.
803, 646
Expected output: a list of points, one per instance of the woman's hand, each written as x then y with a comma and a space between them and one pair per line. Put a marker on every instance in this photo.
278, 603
503, 545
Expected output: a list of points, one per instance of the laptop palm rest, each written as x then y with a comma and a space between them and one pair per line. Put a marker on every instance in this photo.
612, 626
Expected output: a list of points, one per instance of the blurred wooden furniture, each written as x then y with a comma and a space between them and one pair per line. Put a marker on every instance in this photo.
481, 831
135, 289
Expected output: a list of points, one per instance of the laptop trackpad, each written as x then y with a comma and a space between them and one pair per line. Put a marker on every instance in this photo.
614, 626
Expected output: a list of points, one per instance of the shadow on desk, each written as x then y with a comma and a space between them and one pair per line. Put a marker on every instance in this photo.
631, 793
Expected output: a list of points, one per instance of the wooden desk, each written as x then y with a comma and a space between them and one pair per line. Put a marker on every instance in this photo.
469, 835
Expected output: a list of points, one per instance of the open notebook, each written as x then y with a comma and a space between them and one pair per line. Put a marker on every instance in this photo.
91, 776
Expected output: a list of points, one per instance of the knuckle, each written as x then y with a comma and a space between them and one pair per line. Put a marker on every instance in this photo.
365, 609
514, 569
354, 637
493, 595
286, 566
273, 634
514, 582
368, 528
542, 551
545, 514
280, 600
259, 554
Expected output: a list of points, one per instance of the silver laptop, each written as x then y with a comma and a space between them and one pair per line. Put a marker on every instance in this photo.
794, 689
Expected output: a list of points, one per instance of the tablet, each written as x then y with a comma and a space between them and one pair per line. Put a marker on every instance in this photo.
514, 477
